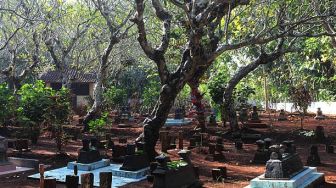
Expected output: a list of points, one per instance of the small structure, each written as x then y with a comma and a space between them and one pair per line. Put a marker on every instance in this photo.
319, 115
82, 84
212, 120
6, 165
169, 174
282, 115
286, 170
254, 116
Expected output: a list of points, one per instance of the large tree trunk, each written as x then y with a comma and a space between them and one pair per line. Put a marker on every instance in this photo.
158, 117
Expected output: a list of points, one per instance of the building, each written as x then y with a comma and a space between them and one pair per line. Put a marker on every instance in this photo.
82, 85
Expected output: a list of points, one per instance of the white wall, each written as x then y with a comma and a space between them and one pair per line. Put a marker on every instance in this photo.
326, 107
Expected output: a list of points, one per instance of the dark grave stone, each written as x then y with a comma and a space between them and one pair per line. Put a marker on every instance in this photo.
282, 115
319, 114
122, 140
185, 155
165, 141
150, 178
223, 171
285, 168
140, 146
173, 176
135, 162
196, 169
22, 145
319, 134
254, 115
192, 143
218, 156
110, 142
268, 142
329, 148
290, 148
239, 144
219, 144
130, 149
180, 139
262, 155
118, 152
277, 149
313, 158
212, 120
153, 166
212, 148
179, 113
88, 154
216, 174
243, 115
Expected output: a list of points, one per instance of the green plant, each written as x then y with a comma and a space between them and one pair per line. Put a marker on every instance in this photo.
96, 126
114, 97
176, 164
6, 104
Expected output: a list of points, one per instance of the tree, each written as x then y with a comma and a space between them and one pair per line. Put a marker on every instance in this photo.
118, 30
206, 39
21, 41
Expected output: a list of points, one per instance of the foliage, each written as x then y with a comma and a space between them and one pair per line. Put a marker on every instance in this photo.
114, 97
151, 93
176, 164
301, 97
6, 104
241, 95
96, 126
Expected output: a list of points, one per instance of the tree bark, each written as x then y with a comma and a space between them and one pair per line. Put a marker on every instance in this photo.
159, 115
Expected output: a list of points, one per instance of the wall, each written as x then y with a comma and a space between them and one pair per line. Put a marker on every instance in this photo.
326, 107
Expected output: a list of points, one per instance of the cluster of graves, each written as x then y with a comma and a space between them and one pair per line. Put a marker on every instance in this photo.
129, 162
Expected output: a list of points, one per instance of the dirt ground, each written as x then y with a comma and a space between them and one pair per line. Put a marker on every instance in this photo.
239, 163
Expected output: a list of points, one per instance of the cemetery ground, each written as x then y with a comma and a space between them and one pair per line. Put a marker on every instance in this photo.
240, 169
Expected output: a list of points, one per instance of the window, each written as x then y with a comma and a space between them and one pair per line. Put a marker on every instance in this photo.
80, 88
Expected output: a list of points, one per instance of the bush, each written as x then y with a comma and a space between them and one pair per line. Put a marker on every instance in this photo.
7, 100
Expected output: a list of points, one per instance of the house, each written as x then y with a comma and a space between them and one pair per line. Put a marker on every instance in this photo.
82, 85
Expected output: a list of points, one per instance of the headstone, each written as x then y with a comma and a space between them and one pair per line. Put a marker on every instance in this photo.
180, 139
282, 115
313, 158
88, 154
243, 115
179, 113
212, 120
254, 114
4, 164
319, 115
319, 134
262, 154
274, 167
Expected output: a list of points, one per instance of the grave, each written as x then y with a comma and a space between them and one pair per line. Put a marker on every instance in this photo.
286, 170
254, 116
319, 115
177, 122
6, 166
212, 120
180, 173
262, 154
313, 158
282, 115
319, 134
132, 170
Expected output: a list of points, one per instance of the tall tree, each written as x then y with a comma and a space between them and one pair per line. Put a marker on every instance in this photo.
211, 28
118, 26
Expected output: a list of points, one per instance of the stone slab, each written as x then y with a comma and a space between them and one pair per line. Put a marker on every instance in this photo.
23, 162
90, 166
117, 181
177, 122
7, 167
17, 170
302, 180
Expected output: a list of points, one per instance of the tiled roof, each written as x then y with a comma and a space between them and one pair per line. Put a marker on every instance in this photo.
76, 76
